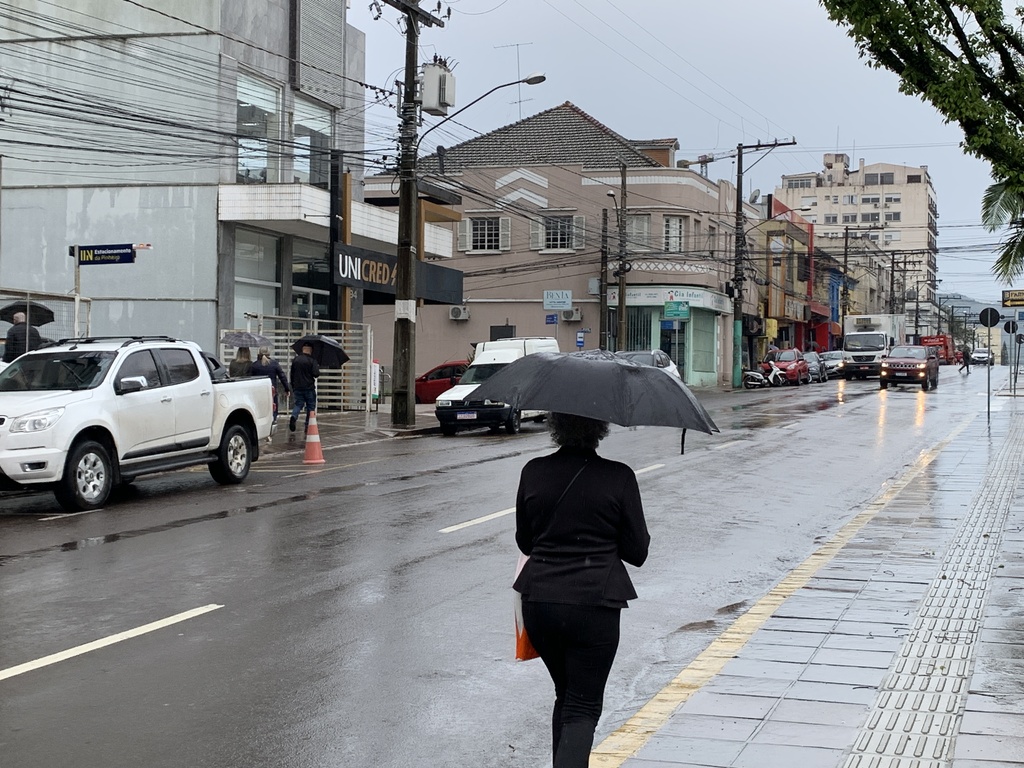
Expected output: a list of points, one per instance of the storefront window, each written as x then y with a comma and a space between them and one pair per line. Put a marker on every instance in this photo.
312, 160
310, 265
703, 341
259, 130
257, 275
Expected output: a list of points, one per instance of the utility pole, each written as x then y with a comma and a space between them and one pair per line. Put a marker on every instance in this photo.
740, 248
844, 300
624, 266
403, 372
602, 330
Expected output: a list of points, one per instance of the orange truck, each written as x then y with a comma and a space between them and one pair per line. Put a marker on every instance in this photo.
944, 343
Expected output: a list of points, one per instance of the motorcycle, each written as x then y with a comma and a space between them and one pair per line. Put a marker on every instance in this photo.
773, 378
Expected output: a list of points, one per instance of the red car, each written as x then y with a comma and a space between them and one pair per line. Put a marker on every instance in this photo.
439, 379
792, 363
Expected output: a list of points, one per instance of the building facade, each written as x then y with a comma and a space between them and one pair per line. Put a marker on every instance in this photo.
891, 208
206, 130
541, 200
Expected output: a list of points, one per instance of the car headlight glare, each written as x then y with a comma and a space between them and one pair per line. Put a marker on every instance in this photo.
38, 421
444, 403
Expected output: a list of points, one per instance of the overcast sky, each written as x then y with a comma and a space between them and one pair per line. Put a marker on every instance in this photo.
711, 75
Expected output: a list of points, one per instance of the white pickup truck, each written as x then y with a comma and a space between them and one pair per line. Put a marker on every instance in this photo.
84, 415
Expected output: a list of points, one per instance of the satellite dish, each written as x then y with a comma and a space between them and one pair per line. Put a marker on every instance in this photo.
754, 196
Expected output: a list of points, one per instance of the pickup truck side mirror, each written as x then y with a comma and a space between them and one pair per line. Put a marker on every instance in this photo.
131, 384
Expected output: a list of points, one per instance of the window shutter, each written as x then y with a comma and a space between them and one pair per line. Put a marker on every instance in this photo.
536, 235
505, 233
579, 231
463, 233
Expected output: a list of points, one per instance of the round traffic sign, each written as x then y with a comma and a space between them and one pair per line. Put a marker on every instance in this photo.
1010, 326
989, 317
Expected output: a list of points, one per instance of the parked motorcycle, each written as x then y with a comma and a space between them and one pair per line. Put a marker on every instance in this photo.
773, 378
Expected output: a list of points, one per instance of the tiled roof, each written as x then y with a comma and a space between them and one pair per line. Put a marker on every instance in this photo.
560, 135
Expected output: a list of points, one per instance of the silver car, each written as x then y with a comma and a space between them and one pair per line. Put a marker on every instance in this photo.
832, 360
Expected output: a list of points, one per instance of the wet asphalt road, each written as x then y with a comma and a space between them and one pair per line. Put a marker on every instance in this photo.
347, 627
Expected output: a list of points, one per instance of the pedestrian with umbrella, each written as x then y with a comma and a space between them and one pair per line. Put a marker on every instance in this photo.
579, 518
265, 365
302, 377
21, 338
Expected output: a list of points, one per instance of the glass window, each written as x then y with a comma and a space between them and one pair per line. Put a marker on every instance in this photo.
870, 199
887, 178
869, 217
259, 130
675, 234
142, 364
849, 199
557, 232
831, 218
849, 218
892, 216
181, 366
807, 201
892, 236
870, 179
638, 232
312, 160
703, 341
310, 265
914, 178
486, 233
257, 274
894, 197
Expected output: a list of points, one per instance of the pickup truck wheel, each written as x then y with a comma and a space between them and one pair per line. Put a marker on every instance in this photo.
234, 457
514, 422
88, 478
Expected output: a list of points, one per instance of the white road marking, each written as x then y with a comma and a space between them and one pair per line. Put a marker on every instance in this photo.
69, 514
649, 469
720, 446
53, 658
510, 510
478, 520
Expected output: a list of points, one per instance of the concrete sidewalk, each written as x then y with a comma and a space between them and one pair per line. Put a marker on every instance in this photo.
338, 428
898, 644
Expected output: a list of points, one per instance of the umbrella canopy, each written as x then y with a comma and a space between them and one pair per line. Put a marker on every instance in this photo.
244, 339
36, 314
326, 351
598, 385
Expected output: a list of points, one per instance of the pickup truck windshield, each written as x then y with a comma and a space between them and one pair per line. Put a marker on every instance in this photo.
56, 371
478, 374
864, 342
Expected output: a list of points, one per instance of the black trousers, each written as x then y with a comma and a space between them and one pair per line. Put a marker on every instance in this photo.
577, 643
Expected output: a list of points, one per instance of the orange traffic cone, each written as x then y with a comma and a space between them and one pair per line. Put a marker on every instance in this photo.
314, 453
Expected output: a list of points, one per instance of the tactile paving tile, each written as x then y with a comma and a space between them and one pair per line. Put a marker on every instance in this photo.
916, 716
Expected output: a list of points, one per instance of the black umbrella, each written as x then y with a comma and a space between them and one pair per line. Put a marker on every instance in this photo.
36, 314
326, 350
244, 339
598, 385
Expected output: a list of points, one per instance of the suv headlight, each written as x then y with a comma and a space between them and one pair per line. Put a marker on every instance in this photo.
38, 421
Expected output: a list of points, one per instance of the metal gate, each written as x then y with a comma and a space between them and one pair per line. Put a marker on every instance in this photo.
54, 315
347, 389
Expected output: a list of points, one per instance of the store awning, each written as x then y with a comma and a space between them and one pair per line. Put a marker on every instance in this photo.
835, 329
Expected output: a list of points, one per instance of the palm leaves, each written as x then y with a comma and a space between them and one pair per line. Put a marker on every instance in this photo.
1003, 206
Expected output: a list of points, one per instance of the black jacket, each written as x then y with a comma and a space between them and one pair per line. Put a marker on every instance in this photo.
577, 550
304, 372
21, 338
272, 369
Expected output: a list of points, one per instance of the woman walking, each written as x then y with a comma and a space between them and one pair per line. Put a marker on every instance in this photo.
265, 365
578, 518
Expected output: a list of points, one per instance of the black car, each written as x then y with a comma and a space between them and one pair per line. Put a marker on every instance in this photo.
816, 366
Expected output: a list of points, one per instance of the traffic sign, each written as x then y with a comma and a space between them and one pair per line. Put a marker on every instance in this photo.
1010, 326
989, 317
103, 254
550, 319
579, 339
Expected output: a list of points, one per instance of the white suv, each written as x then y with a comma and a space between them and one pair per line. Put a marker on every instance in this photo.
982, 356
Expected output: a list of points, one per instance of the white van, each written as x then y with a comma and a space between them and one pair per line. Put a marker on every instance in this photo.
456, 409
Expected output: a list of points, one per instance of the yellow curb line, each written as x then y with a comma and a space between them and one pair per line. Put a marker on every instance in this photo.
625, 742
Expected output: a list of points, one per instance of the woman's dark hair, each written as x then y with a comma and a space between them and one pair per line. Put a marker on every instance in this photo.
570, 431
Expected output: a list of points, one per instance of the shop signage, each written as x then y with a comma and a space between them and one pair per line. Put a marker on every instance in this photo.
557, 300
657, 296
1013, 298
104, 254
374, 271
677, 310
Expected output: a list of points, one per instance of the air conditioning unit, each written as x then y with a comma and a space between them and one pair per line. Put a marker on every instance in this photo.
458, 313
876, 205
573, 315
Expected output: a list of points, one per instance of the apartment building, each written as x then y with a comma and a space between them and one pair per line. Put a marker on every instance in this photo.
203, 129
891, 207
539, 197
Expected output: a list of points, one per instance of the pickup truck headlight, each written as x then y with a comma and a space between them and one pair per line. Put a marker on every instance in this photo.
38, 421
444, 404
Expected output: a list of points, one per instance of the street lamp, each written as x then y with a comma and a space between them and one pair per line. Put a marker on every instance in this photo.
403, 371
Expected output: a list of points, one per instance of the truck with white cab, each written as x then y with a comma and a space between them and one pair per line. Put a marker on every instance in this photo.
84, 415
867, 340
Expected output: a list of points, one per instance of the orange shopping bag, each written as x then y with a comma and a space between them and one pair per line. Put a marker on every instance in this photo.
524, 648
